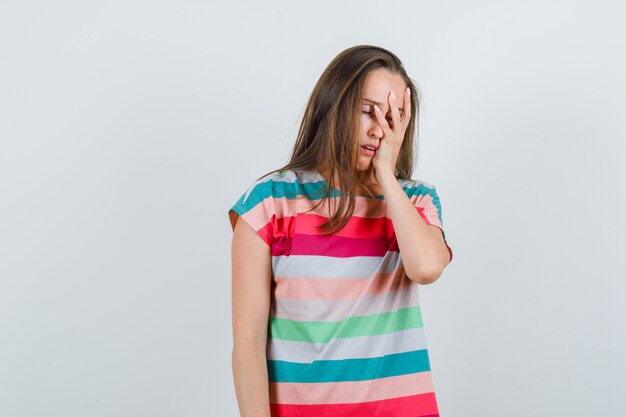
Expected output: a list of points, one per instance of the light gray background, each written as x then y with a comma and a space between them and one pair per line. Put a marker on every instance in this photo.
128, 128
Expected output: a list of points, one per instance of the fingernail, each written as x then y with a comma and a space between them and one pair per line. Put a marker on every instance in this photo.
393, 96
408, 88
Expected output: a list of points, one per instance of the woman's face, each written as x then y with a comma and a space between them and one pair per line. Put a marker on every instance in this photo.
378, 84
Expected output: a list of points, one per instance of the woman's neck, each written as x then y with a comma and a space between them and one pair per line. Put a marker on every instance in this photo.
368, 178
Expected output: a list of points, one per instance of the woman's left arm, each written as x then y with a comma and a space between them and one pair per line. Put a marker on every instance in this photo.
423, 250
422, 247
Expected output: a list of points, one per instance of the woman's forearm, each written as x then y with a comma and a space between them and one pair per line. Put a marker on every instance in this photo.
250, 376
424, 253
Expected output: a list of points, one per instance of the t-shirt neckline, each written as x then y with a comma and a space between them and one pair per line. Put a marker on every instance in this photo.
322, 179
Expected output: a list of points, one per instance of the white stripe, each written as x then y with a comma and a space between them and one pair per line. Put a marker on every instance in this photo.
337, 310
314, 266
347, 348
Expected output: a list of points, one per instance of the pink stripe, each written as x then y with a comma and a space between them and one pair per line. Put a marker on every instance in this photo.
341, 247
420, 405
340, 288
426, 208
357, 227
351, 391
262, 213
364, 207
371, 207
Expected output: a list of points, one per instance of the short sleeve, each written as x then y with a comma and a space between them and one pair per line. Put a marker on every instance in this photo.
426, 200
255, 207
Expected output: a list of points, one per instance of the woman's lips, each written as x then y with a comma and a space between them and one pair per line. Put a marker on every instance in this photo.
367, 152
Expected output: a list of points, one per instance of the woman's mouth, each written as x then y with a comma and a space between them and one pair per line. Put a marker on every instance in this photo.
368, 150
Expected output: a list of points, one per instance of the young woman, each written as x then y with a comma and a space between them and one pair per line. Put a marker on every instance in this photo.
327, 262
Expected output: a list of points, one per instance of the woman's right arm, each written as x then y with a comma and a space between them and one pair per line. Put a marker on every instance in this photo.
251, 282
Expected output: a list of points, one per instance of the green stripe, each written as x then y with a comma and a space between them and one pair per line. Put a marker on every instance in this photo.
323, 331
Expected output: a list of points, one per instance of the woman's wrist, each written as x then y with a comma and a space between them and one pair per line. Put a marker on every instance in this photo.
384, 174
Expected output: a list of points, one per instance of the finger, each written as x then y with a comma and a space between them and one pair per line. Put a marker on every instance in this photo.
381, 120
395, 113
406, 106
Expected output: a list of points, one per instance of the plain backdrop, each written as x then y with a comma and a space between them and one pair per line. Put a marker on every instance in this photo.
129, 128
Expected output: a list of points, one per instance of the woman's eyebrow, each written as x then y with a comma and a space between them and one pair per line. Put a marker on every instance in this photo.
377, 103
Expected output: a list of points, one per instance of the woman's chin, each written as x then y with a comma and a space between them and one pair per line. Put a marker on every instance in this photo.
365, 168
364, 164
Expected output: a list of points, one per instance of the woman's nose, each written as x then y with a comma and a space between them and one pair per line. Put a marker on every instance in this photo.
375, 130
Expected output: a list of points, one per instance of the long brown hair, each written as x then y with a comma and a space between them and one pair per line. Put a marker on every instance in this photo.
326, 139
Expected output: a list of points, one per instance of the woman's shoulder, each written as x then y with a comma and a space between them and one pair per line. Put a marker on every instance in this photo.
290, 176
416, 183
286, 183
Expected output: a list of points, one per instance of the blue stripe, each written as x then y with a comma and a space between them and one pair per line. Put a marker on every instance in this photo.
313, 190
349, 369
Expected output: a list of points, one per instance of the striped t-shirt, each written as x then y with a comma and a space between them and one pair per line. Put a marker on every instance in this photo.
345, 330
